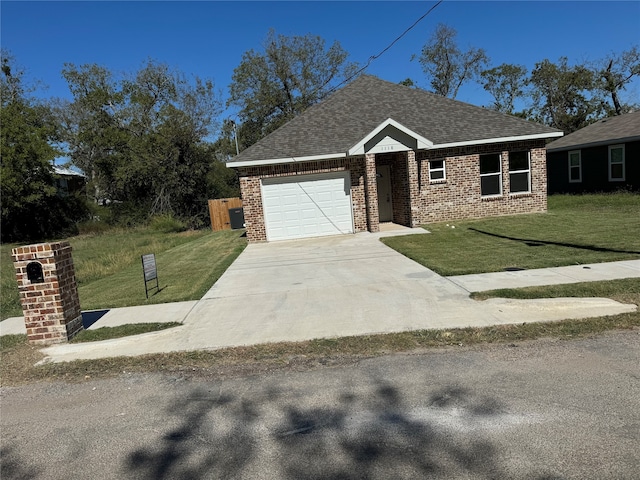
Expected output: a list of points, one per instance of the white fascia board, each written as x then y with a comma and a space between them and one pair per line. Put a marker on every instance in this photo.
277, 161
358, 148
537, 136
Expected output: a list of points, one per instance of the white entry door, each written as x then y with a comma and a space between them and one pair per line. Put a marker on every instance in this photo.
307, 205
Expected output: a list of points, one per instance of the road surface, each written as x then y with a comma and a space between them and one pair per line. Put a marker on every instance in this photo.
537, 410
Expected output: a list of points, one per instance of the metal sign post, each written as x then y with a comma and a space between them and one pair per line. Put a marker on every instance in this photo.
150, 271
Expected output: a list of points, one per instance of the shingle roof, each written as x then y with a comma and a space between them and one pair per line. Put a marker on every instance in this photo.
350, 114
606, 131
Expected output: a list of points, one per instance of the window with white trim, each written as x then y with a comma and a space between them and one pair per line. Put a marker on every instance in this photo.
616, 163
490, 175
575, 166
519, 172
437, 171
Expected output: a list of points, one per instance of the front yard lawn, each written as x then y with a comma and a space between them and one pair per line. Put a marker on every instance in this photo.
577, 229
109, 270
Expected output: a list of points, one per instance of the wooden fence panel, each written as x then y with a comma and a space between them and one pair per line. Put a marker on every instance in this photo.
219, 212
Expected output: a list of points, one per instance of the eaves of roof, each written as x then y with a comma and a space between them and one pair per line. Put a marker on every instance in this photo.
608, 131
348, 121
610, 141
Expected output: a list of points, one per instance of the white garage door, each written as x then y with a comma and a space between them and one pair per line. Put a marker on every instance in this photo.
307, 205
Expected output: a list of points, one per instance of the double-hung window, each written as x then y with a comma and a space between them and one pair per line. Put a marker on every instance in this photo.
519, 172
437, 171
616, 163
490, 175
575, 167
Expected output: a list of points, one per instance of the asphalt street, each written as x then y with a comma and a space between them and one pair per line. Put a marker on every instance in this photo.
547, 409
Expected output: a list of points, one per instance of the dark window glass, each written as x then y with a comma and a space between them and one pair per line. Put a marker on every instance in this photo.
490, 185
575, 173
519, 182
518, 161
616, 170
490, 163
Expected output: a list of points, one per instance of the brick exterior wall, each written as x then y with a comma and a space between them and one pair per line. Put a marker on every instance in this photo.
371, 184
51, 307
459, 196
416, 201
250, 186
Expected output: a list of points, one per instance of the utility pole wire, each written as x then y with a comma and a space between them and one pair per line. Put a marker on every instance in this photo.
371, 59
375, 57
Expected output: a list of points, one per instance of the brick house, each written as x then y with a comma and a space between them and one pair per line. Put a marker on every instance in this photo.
377, 152
600, 157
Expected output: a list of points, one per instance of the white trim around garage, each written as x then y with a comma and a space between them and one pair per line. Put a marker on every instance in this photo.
303, 206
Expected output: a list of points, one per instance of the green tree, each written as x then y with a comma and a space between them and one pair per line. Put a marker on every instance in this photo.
446, 66
506, 83
143, 138
31, 207
565, 97
289, 75
614, 74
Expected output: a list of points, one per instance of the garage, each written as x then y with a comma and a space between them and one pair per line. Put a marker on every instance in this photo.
307, 206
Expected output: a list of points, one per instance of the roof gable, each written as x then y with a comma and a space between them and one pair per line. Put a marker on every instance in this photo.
363, 114
619, 129
390, 136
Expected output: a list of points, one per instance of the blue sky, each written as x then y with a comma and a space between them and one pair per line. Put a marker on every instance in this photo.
208, 38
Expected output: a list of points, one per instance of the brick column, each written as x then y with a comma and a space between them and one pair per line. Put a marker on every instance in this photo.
414, 188
373, 216
253, 208
48, 292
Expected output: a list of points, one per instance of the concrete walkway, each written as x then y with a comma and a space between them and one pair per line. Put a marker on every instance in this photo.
326, 287
548, 276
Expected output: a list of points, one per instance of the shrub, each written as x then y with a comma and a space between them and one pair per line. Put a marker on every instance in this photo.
167, 223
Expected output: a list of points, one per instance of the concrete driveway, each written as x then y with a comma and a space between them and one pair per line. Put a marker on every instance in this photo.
331, 287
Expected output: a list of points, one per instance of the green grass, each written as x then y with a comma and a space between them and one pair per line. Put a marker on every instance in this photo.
185, 272
577, 229
626, 290
107, 333
18, 359
109, 271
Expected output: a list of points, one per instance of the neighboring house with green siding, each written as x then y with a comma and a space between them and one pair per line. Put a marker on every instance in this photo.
601, 157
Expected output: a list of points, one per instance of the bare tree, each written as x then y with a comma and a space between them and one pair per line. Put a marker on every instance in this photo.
448, 67
615, 72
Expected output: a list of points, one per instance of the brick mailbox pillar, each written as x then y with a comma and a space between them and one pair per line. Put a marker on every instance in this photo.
48, 292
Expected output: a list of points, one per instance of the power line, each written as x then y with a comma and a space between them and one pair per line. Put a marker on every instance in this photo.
375, 57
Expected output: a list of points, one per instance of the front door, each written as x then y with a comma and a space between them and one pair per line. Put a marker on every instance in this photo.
385, 207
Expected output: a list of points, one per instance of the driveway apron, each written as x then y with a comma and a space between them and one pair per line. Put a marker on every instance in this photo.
349, 285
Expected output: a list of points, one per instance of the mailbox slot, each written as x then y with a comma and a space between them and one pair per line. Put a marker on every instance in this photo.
34, 272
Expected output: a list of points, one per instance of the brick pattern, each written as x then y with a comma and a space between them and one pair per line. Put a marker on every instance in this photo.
51, 308
416, 201
371, 183
250, 186
459, 196
413, 180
